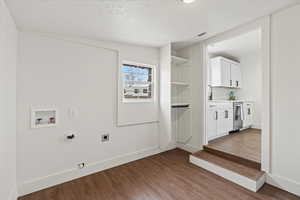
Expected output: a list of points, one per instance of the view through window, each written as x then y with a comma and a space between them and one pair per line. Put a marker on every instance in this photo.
137, 82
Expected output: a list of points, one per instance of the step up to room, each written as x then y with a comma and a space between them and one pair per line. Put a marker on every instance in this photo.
233, 157
243, 175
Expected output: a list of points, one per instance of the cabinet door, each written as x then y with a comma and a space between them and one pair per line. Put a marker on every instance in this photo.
236, 75
225, 73
219, 72
212, 123
225, 121
215, 72
221, 123
248, 113
228, 115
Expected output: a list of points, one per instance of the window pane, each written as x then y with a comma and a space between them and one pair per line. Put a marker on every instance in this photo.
137, 81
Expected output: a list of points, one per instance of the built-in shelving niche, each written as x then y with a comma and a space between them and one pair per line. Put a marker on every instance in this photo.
180, 102
177, 61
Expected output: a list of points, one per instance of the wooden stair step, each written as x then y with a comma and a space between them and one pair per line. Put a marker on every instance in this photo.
232, 157
241, 169
243, 175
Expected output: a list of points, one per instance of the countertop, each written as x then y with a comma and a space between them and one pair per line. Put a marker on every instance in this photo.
229, 101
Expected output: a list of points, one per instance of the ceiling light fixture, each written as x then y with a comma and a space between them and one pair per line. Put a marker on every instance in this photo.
187, 1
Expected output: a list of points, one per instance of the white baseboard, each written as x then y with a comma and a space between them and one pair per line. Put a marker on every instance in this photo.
256, 126
169, 147
13, 194
284, 184
229, 175
188, 148
74, 173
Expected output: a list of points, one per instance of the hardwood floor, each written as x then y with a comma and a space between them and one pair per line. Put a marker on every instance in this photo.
245, 144
236, 167
166, 176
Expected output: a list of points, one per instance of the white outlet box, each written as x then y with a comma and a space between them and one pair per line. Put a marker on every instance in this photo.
105, 138
45, 117
81, 165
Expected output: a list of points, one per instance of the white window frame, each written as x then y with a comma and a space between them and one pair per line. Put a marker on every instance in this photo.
153, 82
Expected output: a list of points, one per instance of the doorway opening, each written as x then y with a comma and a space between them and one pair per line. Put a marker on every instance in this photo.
234, 97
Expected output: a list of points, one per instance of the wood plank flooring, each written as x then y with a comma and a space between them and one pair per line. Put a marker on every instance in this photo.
245, 144
166, 176
236, 167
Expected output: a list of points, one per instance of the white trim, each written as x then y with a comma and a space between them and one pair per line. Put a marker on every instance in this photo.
13, 194
74, 173
166, 138
266, 98
284, 184
264, 25
205, 92
256, 126
261, 181
170, 146
229, 175
188, 147
154, 82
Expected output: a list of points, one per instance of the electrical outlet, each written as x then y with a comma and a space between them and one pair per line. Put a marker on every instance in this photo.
105, 138
81, 165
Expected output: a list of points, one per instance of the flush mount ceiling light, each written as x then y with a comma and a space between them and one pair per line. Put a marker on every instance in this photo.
188, 1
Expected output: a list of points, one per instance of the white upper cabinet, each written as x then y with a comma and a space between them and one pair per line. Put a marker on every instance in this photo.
219, 72
225, 73
236, 75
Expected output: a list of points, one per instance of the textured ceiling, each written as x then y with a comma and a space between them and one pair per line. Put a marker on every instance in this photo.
145, 22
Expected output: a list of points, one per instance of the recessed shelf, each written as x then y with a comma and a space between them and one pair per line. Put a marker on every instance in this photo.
178, 83
180, 105
179, 60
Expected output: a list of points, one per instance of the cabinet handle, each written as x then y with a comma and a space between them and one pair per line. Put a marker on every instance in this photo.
237, 83
217, 115
230, 82
249, 111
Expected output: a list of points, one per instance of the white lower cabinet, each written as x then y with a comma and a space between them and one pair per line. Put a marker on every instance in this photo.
219, 120
248, 115
212, 122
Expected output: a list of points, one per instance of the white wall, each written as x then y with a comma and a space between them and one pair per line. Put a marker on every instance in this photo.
8, 53
167, 139
45, 157
223, 93
285, 68
252, 84
67, 73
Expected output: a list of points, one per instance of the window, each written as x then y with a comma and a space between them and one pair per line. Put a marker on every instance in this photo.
137, 82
